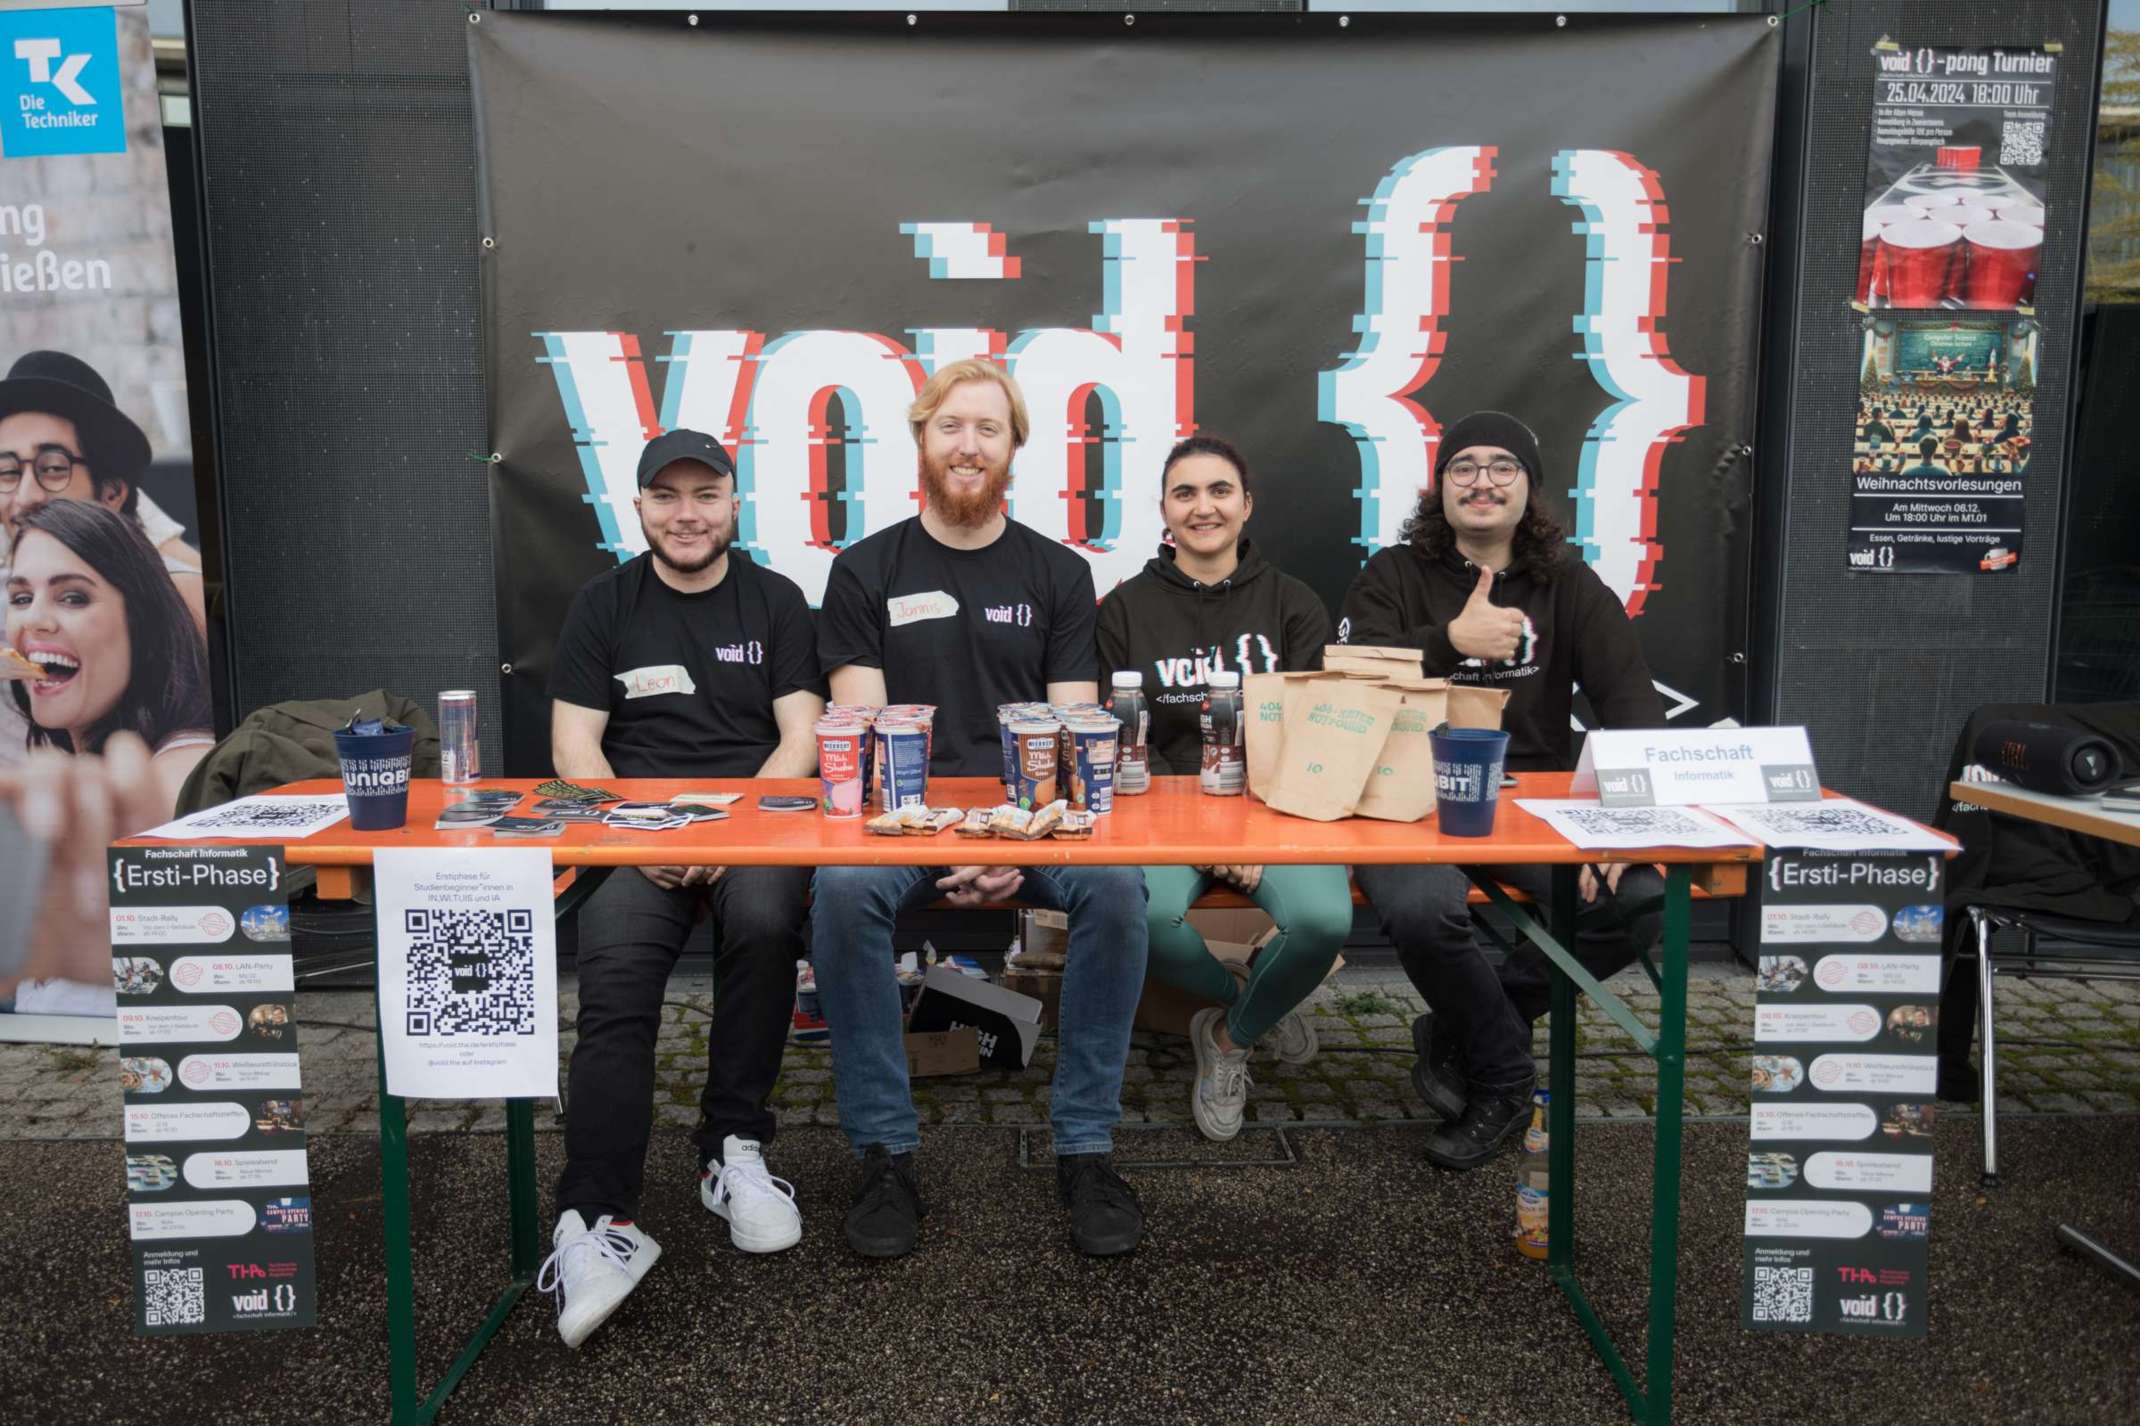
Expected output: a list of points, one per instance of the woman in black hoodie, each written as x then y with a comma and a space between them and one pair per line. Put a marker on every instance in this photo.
1207, 603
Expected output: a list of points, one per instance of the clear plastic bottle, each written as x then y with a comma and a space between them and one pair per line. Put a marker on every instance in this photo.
1133, 758
1224, 770
1532, 1181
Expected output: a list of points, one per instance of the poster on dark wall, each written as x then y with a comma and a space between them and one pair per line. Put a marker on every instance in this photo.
1956, 177
1159, 232
1940, 461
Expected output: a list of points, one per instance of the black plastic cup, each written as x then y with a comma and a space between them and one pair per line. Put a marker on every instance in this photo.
1467, 778
375, 777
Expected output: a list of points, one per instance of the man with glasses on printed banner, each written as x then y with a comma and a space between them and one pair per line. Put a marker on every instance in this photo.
964, 608
688, 661
1486, 588
63, 438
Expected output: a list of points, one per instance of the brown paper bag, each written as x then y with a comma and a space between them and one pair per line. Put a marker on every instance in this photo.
1400, 786
1371, 658
1263, 698
1335, 725
1474, 707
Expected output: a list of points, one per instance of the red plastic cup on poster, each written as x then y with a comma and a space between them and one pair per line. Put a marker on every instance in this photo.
2029, 213
1919, 262
1868, 259
1963, 157
2002, 259
1968, 213
1931, 203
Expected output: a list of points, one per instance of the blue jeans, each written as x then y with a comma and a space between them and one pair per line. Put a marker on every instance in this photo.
853, 910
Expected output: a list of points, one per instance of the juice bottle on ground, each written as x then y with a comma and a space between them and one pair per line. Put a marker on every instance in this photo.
1531, 1182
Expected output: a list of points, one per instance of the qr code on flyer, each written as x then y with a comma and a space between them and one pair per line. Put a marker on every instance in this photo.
174, 1297
2021, 142
1783, 1294
471, 972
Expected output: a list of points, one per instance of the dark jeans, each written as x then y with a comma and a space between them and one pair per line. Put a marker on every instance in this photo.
631, 932
1490, 1010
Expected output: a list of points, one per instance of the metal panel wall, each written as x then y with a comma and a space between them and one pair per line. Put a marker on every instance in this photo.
338, 180
1884, 669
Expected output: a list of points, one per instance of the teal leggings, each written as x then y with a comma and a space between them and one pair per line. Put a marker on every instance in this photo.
1312, 906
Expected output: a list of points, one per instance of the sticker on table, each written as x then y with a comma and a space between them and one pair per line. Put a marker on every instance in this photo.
261, 1168
1771, 1170
1821, 925
136, 975
1815, 1021
1779, 975
1870, 1173
178, 1024
201, 1218
144, 1074
1814, 1121
1906, 1121
1883, 975
265, 1071
171, 925
1806, 1218
1777, 1074
210, 1119
233, 975
1876, 1074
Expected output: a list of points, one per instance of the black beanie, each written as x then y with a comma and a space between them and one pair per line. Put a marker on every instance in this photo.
1489, 428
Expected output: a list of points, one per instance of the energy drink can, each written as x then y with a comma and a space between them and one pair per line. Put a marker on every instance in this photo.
460, 747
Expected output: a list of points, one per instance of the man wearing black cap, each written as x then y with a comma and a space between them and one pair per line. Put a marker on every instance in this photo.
62, 438
688, 661
1484, 587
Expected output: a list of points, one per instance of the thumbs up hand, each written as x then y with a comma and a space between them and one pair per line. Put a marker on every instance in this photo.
1484, 630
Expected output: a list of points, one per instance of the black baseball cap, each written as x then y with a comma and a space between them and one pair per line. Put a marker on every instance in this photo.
672, 446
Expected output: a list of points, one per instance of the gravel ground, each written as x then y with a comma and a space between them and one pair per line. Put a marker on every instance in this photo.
1356, 1284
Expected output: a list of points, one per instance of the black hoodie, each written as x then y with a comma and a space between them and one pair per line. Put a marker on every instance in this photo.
1577, 635
1177, 633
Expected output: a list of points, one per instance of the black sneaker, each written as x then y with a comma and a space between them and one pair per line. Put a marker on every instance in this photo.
1438, 1072
1488, 1121
885, 1221
1105, 1217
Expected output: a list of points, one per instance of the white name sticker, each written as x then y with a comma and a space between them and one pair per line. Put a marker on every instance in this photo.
655, 680
903, 609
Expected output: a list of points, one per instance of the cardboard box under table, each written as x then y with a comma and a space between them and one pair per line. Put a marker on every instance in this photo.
1173, 824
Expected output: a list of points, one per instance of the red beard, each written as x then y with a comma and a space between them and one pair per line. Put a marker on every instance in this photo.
962, 510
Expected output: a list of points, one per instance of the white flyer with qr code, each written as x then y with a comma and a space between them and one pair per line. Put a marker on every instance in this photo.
467, 972
1588, 825
263, 816
1839, 824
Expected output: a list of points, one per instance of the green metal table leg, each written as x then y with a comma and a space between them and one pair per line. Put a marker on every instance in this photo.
1664, 1184
400, 1275
1560, 1081
520, 1168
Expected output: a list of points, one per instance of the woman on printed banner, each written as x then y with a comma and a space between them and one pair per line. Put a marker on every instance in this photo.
1206, 603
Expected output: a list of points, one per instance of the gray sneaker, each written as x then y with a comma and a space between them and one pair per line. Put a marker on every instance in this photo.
1220, 1095
1292, 1041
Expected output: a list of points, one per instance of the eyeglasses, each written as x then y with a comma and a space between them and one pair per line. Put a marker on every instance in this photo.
1466, 472
54, 466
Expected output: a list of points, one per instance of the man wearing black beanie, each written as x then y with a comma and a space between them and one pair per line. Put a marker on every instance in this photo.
1484, 587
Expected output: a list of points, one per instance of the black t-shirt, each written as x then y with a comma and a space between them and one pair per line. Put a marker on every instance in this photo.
965, 630
688, 680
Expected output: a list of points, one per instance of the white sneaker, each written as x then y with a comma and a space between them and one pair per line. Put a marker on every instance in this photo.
760, 1209
1293, 1040
1220, 1096
592, 1270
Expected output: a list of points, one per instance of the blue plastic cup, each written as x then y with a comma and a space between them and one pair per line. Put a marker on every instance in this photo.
1467, 778
375, 777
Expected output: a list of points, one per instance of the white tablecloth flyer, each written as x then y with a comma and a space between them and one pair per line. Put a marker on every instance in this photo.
467, 972
1586, 824
289, 817
1840, 824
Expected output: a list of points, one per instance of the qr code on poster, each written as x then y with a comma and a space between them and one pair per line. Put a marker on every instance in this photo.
1851, 821
1662, 821
2022, 142
259, 815
1783, 1294
471, 972
174, 1297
